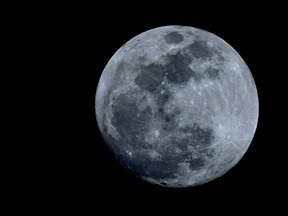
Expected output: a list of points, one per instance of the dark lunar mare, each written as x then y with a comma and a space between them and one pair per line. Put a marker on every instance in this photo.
198, 136
176, 69
132, 124
173, 37
200, 50
150, 77
167, 166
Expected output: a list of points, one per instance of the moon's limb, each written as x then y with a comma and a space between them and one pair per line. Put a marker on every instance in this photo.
177, 105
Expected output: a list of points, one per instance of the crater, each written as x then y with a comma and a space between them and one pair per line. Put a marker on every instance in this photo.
150, 77
173, 38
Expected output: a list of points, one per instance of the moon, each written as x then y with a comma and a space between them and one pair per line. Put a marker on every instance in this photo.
177, 106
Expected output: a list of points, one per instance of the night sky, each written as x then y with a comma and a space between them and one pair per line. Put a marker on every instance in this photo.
84, 171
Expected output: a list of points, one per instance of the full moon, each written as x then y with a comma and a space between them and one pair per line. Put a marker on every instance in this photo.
177, 106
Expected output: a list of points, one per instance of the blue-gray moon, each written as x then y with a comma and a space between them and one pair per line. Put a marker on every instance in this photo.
177, 106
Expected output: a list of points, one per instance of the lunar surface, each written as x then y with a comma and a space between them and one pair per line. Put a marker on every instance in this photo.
177, 105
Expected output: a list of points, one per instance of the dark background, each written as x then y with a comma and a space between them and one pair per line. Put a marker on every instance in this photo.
80, 172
